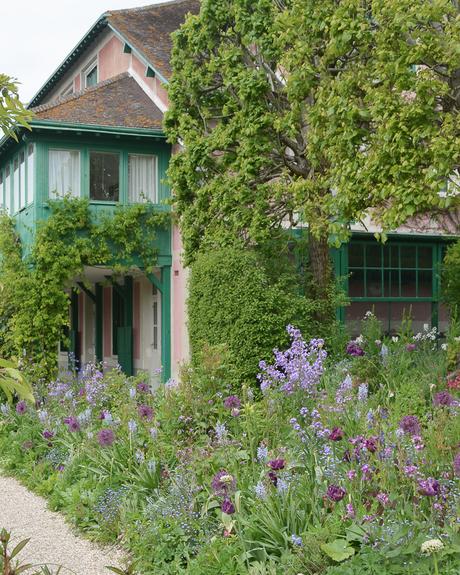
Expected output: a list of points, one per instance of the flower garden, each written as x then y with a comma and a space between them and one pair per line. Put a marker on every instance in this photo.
344, 459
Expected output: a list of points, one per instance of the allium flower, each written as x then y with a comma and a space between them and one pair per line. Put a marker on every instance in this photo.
336, 434
431, 546
354, 349
73, 425
105, 437
47, 434
443, 398
143, 387
335, 493
277, 464
273, 477
146, 412
21, 407
429, 487
296, 540
232, 401
223, 483
410, 425
227, 507
457, 464
411, 347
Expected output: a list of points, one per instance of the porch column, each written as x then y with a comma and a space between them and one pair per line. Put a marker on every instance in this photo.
99, 324
166, 321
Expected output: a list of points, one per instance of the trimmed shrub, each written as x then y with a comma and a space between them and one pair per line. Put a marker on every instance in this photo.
236, 301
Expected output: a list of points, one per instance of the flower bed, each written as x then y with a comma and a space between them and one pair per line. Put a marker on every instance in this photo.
339, 465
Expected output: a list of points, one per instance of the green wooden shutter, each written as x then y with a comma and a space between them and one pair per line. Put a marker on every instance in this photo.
125, 349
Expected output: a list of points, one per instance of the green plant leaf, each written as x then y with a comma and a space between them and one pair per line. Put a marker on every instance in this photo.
338, 550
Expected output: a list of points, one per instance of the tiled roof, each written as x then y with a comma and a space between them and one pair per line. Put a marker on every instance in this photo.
149, 29
117, 102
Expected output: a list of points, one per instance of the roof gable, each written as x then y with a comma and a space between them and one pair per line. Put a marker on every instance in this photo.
148, 29
117, 102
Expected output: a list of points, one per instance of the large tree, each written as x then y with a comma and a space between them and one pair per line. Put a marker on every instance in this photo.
291, 111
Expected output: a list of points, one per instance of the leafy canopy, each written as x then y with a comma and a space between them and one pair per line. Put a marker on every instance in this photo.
12, 111
292, 110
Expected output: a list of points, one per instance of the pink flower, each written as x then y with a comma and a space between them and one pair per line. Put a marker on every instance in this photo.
105, 437
336, 434
335, 493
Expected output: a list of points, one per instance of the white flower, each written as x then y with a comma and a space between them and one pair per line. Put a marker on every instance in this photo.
395, 339
408, 96
431, 546
360, 339
444, 346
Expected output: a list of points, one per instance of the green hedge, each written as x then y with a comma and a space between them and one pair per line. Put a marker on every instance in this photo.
237, 301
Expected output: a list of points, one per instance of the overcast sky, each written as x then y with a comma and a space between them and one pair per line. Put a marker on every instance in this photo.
36, 35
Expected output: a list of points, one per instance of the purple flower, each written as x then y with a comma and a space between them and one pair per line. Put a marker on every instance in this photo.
350, 511
410, 424
336, 434
21, 407
223, 483
383, 499
227, 507
429, 487
232, 401
105, 437
335, 493
457, 464
354, 349
72, 423
47, 434
296, 540
351, 474
143, 387
146, 412
273, 477
411, 347
371, 444
277, 464
443, 398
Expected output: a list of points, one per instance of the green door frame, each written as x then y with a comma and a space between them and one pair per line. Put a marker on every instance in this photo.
163, 285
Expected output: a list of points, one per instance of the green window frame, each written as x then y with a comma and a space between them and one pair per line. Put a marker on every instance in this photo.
395, 271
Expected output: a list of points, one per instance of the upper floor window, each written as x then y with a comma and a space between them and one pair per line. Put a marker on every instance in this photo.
8, 189
104, 175
142, 178
63, 173
30, 173
22, 181
90, 74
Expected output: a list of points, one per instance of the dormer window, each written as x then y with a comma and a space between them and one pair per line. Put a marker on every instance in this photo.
90, 74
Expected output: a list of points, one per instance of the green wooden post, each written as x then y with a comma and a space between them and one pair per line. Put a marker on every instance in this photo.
166, 321
74, 339
99, 324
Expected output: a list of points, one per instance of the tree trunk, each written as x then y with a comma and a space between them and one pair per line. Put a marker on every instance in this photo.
321, 271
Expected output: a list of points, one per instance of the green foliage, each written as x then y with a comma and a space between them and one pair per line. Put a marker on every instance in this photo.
13, 382
35, 286
153, 488
237, 301
12, 111
451, 277
312, 111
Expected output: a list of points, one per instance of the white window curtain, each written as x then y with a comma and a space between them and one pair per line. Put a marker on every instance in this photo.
142, 170
64, 173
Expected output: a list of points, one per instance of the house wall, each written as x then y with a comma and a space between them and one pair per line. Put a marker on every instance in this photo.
179, 331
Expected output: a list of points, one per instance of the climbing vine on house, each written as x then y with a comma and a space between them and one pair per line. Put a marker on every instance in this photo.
35, 286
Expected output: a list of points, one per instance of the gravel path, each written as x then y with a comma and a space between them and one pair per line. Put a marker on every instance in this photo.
52, 540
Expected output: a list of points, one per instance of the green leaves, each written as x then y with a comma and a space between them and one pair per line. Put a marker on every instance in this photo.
338, 550
13, 382
12, 111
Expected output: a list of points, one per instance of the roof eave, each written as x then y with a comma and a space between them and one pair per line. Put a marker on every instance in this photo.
98, 128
